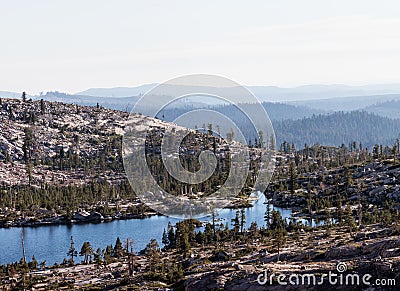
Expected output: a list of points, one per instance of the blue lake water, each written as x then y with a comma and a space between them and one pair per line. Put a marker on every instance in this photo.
51, 243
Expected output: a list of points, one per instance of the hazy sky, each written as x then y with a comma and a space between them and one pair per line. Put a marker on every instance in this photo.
74, 45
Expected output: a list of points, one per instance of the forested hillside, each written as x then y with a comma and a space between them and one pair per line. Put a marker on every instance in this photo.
276, 111
349, 103
389, 109
300, 125
339, 128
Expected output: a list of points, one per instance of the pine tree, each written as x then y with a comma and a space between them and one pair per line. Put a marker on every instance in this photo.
348, 177
200, 238
267, 216
98, 256
208, 233
171, 235
86, 252
242, 220
72, 252
29, 170
292, 177
27, 145
261, 136
253, 229
279, 240
33, 264
182, 237
210, 129
129, 245
153, 255
272, 145
118, 249
165, 239
236, 223
214, 214
42, 107
277, 222
108, 254
349, 219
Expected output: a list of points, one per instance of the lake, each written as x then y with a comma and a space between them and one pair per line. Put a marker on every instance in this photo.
51, 243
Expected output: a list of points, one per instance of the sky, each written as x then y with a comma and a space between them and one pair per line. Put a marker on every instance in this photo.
73, 45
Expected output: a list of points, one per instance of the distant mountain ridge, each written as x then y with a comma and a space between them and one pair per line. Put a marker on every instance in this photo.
305, 99
270, 93
123, 104
265, 93
118, 91
349, 103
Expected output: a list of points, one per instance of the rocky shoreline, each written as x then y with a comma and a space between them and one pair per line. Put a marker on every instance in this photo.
93, 217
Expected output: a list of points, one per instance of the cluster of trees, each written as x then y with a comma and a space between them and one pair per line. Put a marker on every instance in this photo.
158, 267
107, 158
22, 266
64, 198
185, 234
99, 256
310, 159
191, 147
326, 177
